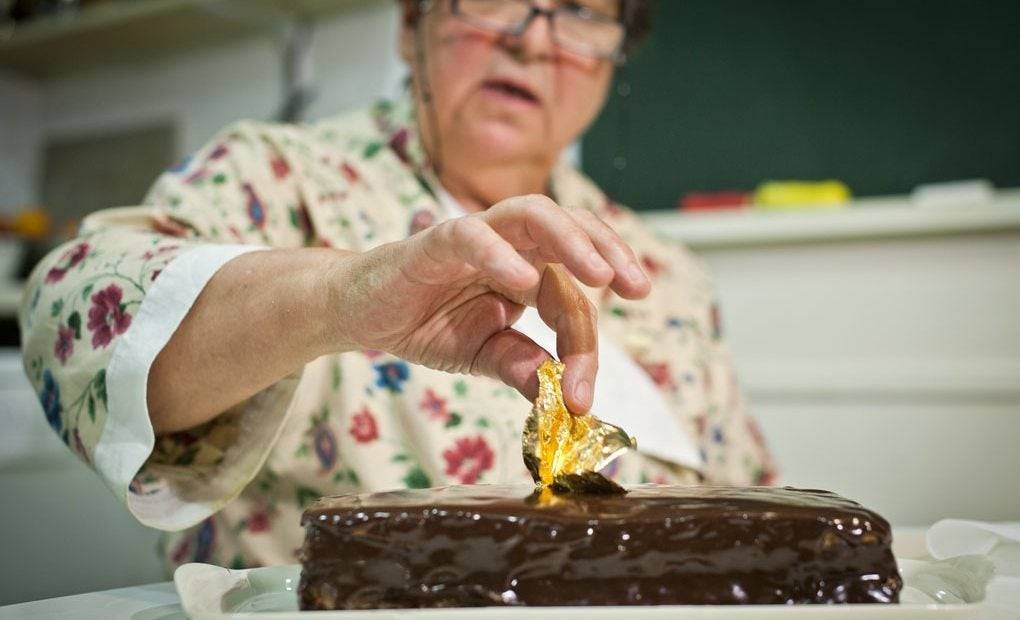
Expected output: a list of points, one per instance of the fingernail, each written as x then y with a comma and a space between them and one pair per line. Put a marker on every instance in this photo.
581, 392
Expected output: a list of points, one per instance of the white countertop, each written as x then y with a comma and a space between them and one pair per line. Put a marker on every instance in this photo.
152, 602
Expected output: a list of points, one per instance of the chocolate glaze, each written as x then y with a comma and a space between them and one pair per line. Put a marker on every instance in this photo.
657, 545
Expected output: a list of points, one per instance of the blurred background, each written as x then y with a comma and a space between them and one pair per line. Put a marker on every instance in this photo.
847, 170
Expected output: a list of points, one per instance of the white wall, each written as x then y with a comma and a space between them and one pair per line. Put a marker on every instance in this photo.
20, 126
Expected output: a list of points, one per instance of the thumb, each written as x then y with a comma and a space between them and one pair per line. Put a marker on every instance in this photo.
513, 358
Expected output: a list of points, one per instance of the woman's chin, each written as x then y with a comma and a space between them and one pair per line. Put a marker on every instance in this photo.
500, 141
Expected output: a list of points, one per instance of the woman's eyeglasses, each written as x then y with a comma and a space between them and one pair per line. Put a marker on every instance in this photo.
574, 27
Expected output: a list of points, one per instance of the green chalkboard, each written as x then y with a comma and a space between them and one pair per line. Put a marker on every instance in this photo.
883, 94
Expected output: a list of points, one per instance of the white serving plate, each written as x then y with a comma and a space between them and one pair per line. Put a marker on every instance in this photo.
214, 593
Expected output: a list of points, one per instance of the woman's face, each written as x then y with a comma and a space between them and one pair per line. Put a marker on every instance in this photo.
501, 98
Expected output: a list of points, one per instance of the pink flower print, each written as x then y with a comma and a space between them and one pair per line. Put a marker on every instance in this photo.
106, 316
64, 347
304, 220
434, 406
468, 458
219, 152
56, 274
196, 177
77, 254
659, 372
766, 478
652, 266
399, 145
420, 221
363, 426
181, 552
755, 431
350, 172
79, 447
258, 520
70, 259
280, 168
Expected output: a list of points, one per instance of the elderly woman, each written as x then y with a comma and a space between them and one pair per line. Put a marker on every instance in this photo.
362, 303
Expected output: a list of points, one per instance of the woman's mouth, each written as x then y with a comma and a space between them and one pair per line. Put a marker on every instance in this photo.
510, 91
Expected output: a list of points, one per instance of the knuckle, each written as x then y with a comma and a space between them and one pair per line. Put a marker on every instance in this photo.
436, 236
543, 200
583, 214
462, 230
600, 224
575, 235
445, 232
538, 203
530, 210
489, 253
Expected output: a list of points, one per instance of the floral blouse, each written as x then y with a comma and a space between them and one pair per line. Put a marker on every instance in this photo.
98, 310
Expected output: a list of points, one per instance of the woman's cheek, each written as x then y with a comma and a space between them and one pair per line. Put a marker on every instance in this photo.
579, 98
464, 56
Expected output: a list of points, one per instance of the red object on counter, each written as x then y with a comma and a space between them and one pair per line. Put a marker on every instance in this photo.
715, 201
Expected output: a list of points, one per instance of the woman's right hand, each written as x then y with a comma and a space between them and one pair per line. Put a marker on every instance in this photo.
447, 297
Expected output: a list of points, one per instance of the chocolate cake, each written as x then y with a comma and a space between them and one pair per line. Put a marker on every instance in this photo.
656, 545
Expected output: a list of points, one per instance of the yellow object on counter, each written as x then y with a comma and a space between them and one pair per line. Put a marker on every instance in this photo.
31, 223
563, 450
801, 194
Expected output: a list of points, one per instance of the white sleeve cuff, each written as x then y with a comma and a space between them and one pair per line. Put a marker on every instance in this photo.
127, 439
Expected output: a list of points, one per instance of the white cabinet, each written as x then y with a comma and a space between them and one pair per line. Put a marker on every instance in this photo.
881, 355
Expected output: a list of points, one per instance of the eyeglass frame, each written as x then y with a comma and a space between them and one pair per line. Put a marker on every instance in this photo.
618, 57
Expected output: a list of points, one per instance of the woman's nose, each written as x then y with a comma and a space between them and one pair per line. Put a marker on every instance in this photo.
536, 42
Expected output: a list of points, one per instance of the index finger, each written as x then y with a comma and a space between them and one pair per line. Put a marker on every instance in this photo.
537, 223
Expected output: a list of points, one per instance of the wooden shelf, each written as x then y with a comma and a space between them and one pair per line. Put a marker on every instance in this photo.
867, 218
139, 30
